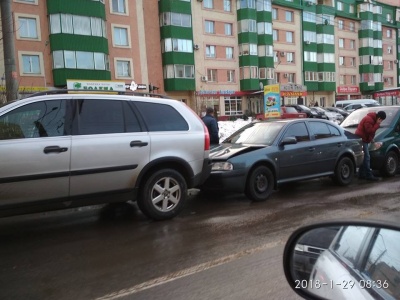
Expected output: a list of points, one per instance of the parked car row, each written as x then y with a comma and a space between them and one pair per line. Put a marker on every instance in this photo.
320, 112
65, 150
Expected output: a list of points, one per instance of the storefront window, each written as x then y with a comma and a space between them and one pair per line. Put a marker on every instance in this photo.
233, 106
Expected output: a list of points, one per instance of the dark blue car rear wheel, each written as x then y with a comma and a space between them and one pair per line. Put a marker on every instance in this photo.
344, 171
260, 184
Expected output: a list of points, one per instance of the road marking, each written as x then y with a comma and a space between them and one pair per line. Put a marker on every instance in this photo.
186, 272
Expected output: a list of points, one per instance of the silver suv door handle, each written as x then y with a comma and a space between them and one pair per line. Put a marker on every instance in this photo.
56, 149
138, 144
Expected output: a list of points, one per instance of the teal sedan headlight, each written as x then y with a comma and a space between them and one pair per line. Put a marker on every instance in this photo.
222, 166
375, 146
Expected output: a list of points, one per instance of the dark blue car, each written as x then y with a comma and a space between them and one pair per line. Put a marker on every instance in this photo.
262, 155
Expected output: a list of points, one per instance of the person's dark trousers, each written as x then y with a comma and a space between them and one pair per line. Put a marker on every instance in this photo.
365, 169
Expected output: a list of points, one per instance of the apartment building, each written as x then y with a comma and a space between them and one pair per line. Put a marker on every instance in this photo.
219, 53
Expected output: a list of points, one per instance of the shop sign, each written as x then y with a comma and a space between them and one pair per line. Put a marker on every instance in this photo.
387, 94
215, 92
348, 89
116, 86
293, 87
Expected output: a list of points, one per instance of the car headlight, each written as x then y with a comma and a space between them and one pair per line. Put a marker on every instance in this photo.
299, 247
375, 146
222, 166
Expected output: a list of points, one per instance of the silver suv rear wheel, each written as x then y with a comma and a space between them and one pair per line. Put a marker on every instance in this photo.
163, 195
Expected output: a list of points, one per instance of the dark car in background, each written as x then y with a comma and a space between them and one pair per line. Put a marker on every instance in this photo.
260, 156
339, 110
385, 147
320, 112
304, 109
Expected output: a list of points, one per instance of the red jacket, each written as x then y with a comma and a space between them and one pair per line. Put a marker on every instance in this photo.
367, 127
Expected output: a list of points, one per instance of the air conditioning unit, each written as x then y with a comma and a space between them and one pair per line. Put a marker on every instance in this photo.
308, 42
203, 78
196, 47
396, 61
286, 75
282, 53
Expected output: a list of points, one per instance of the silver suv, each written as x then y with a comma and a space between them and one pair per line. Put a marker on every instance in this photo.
68, 150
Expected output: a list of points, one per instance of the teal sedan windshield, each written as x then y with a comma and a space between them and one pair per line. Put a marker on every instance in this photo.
256, 134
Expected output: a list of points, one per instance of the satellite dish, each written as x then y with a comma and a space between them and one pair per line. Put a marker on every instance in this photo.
133, 86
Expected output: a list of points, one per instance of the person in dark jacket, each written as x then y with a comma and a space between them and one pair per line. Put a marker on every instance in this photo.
212, 126
366, 130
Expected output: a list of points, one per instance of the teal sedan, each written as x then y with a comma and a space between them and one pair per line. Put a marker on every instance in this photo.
385, 148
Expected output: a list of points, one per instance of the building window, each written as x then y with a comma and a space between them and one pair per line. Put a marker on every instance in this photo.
264, 28
27, 1
229, 52
340, 6
352, 61
352, 44
120, 36
27, 28
233, 106
212, 75
228, 29
351, 8
289, 16
275, 35
289, 37
389, 49
177, 45
389, 33
179, 71
230, 75
123, 68
69, 24
341, 79
210, 27
341, 43
340, 24
210, 51
390, 65
291, 77
208, 4
247, 25
353, 79
31, 64
341, 61
227, 5
290, 57
274, 14
352, 26
118, 6
175, 19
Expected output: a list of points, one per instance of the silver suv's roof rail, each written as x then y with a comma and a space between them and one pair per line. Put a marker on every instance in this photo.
71, 91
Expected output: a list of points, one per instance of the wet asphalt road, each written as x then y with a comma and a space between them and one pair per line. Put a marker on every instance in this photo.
221, 247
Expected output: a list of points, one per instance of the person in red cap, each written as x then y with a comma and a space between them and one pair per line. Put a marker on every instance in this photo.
366, 130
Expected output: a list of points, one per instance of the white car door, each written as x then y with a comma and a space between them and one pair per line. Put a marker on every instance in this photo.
34, 153
108, 148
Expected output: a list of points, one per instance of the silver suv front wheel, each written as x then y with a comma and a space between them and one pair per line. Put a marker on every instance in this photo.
163, 195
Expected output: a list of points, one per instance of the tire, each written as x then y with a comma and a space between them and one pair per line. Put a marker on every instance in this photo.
260, 184
163, 195
391, 164
344, 171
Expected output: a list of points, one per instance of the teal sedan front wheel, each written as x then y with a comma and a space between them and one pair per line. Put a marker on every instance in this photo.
260, 184
390, 165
